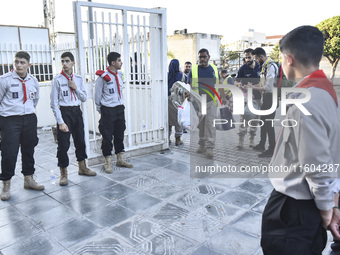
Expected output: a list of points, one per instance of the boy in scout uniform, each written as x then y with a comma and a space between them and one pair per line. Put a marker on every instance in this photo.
67, 94
110, 104
19, 95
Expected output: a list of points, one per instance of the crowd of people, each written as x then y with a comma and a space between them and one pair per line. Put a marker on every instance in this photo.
303, 204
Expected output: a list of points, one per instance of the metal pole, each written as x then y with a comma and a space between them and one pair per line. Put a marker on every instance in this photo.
91, 21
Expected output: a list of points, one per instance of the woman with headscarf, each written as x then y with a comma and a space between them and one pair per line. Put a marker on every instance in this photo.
174, 75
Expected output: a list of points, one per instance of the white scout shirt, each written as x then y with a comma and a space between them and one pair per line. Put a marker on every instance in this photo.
12, 94
107, 93
63, 95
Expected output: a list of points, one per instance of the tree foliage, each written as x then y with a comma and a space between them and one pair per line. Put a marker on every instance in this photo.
275, 55
331, 30
228, 56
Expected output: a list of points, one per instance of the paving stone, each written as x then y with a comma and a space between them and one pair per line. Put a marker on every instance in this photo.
10, 215
109, 215
168, 242
34, 206
197, 227
74, 231
169, 213
257, 187
180, 167
116, 192
157, 160
222, 212
101, 243
249, 222
260, 206
141, 182
203, 250
16, 232
53, 217
69, 194
39, 244
120, 174
231, 242
239, 198
96, 183
19, 196
138, 230
88, 203
139, 202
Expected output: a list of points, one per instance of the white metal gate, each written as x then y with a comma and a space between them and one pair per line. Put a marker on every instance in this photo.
139, 35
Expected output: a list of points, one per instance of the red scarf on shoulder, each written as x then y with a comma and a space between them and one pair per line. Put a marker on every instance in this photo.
319, 80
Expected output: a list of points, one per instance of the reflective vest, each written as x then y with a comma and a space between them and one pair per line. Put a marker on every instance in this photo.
194, 76
227, 91
226, 79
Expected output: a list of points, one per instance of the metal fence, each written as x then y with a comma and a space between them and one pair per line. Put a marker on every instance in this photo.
41, 59
139, 35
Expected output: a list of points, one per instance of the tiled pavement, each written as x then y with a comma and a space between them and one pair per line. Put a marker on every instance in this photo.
154, 208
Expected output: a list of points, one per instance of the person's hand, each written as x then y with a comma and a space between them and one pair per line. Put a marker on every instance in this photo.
326, 216
63, 127
238, 84
224, 101
334, 226
187, 95
249, 85
72, 85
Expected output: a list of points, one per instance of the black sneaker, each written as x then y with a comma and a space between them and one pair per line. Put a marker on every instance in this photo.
185, 131
259, 147
266, 153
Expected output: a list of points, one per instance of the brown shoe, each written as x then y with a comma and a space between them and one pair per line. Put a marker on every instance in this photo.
5, 192
30, 183
178, 141
201, 149
121, 162
83, 170
108, 165
63, 176
210, 153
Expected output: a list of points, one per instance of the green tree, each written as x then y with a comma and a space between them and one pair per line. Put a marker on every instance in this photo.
275, 55
331, 30
226, 56
170, 54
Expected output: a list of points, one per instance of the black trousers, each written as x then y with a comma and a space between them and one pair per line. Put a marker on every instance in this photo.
18, 131
292, 227
73, 118
267, 128
112, 125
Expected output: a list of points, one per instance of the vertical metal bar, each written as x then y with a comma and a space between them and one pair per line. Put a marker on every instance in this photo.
140, 86
133, 87
104, 42
90, 37
164, 93
117, 46
147, 87
127, 85
95, 48
110, 33
81, 61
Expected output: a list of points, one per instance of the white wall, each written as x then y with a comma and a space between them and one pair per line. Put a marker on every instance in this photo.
43, 110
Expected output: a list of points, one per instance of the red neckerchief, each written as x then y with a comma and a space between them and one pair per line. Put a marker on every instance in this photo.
319, 80
24, 88
117, 81
70, 79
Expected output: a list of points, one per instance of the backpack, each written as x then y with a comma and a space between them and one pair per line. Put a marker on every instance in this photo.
281, 78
